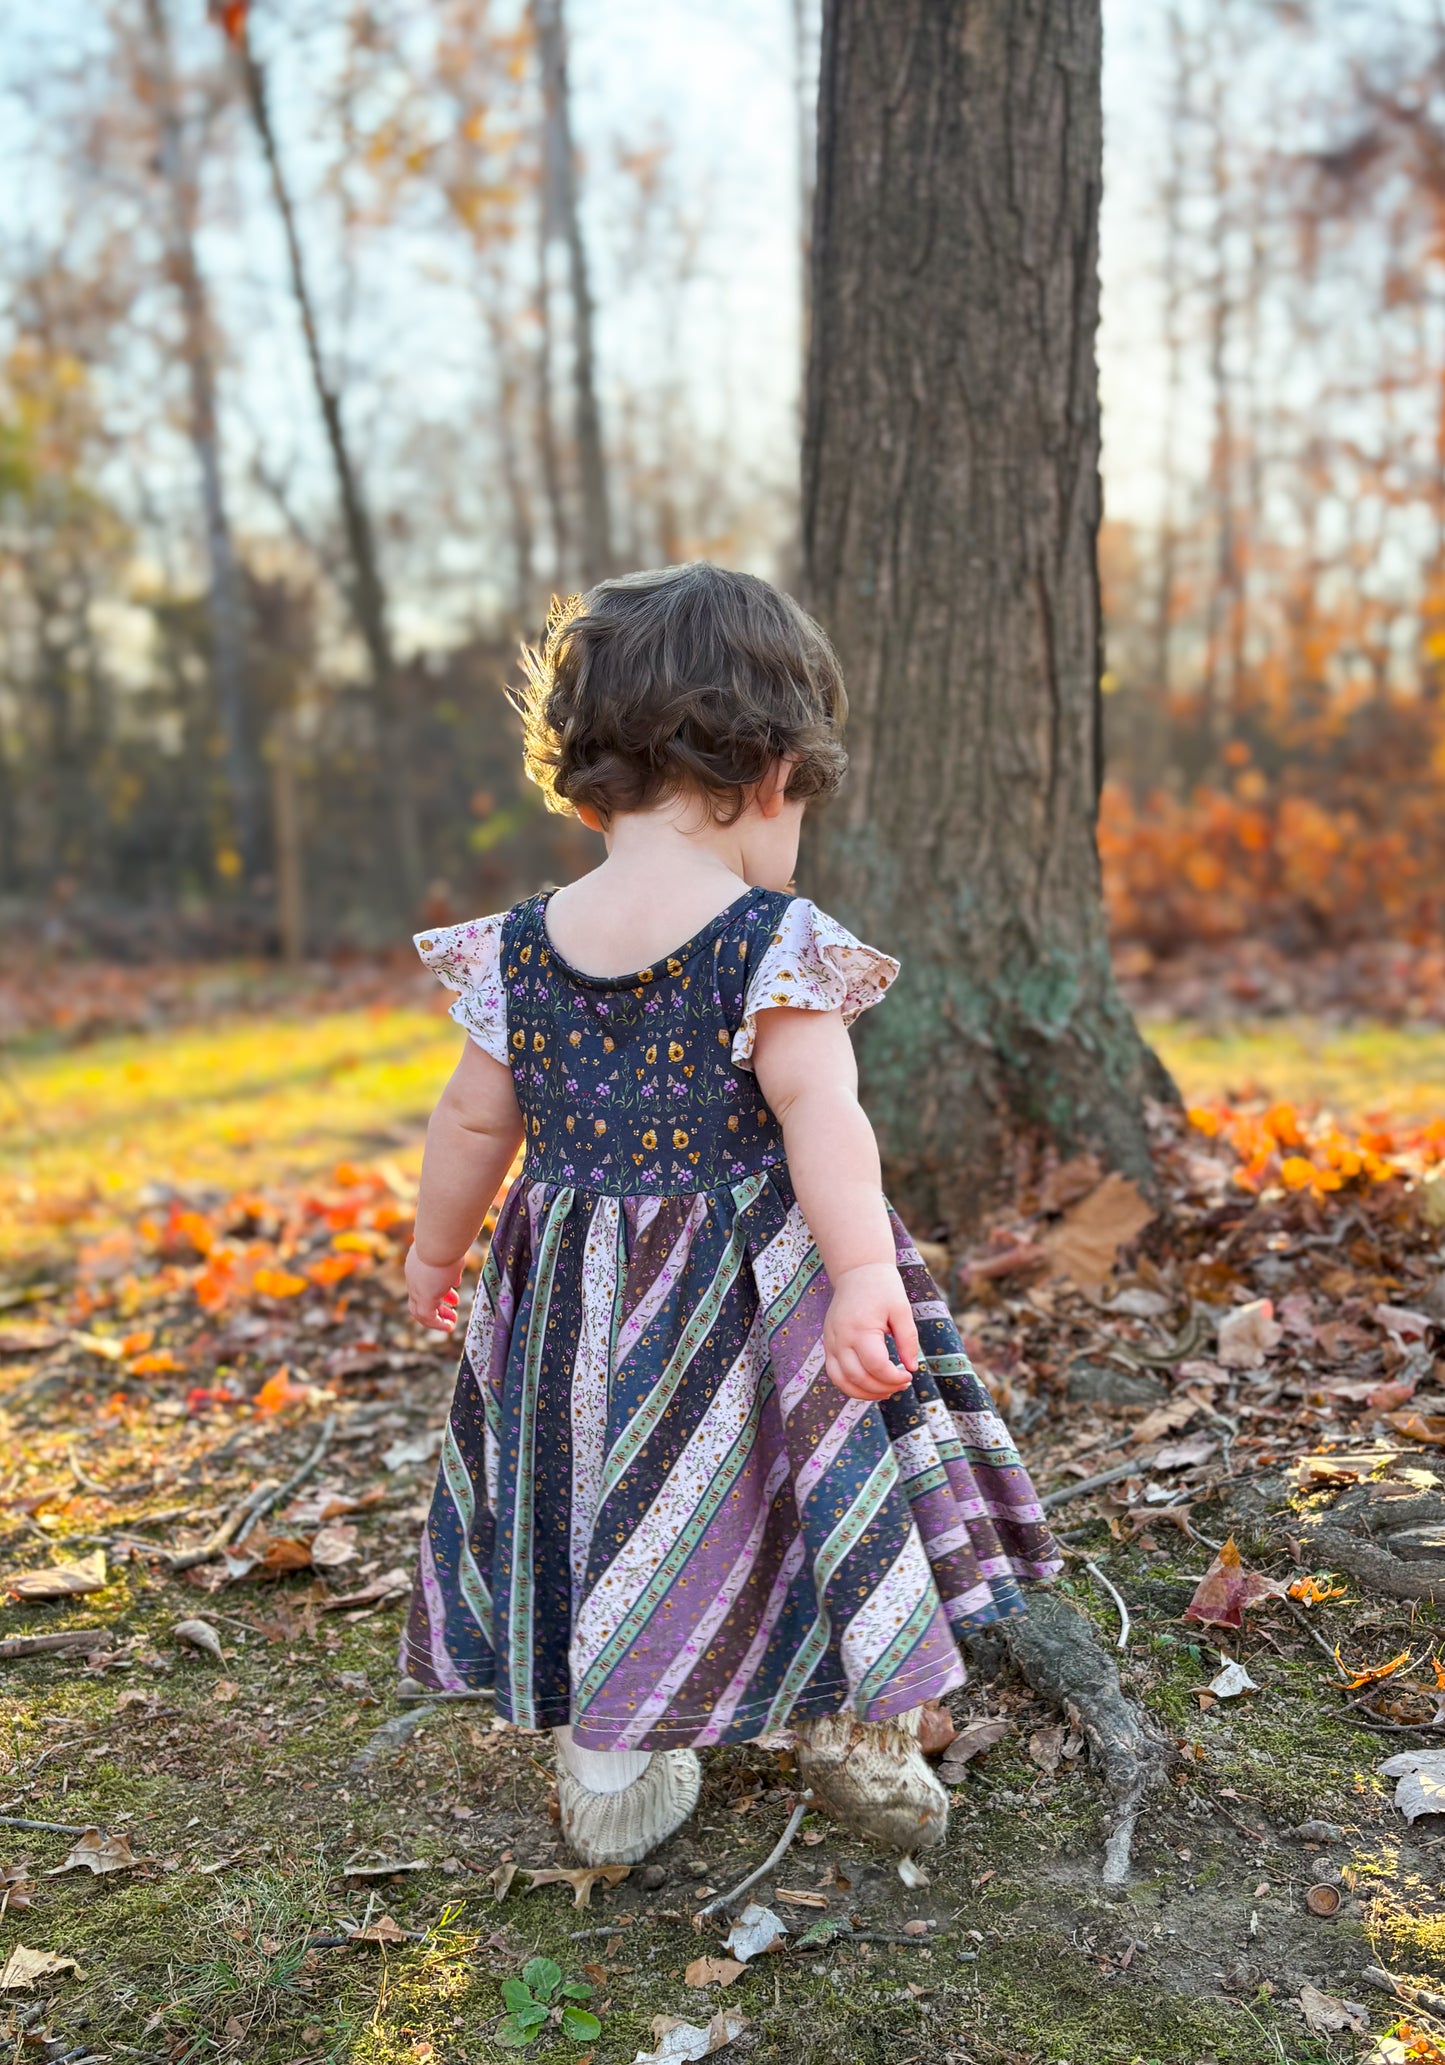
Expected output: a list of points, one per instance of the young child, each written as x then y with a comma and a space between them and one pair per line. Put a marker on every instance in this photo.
687, 1493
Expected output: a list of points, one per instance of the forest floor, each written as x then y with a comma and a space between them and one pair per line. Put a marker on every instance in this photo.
201, 1227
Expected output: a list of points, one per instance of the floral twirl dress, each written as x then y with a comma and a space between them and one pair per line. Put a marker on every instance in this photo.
655, 1518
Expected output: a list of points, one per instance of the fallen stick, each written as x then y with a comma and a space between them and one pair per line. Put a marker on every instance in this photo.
1087, 1484
40, 1645
253, 1507
721, 1903
422, 1693
1117, 1597
54, 1828
1401, 1989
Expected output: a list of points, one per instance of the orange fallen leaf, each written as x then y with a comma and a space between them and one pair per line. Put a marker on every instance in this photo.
161, 1363
1418, 1426
713, 1971
935, 1727
278, 1283
279, 1391
1314, 1591
1371, 1674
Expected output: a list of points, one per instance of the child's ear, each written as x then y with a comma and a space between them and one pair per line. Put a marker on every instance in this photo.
772, 790
588, 816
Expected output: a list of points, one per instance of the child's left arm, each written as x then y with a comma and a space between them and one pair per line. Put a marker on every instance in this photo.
806, 1070
471, 1139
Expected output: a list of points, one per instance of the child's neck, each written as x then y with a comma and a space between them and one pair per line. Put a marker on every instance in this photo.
668, 872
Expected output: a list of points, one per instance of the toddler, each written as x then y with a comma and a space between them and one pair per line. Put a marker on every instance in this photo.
689, 1492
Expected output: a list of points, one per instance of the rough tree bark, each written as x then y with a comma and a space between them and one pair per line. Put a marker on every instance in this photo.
951, 506
368, 590
563, 217
226, 601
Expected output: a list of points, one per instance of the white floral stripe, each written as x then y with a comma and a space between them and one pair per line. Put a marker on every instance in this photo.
618, 1588
811, 963
590, 1374
887, 1609
474, 1588
777, 1266
801, 1382
983, 1430
686, 1661
468, 958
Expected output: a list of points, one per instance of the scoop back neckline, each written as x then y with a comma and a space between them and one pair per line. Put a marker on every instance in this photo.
687, 951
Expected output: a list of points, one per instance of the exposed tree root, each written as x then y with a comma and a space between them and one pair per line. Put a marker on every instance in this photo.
1389, 1537
1061, 1657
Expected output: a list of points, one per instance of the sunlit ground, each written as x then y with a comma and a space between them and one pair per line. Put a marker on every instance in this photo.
85, 1130
1350, 1072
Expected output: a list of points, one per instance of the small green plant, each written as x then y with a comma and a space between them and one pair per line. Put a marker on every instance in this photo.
533, 2000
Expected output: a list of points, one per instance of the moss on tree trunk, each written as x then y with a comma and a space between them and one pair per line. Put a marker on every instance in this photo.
951, 510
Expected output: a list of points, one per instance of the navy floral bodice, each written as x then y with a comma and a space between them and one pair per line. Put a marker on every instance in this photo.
627, 1083
642, 1084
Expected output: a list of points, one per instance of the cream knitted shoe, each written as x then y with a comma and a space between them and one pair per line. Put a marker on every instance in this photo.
623, 1827
873, 1777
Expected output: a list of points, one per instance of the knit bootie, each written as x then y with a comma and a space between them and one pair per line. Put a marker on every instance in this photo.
872, 1776
624, 1827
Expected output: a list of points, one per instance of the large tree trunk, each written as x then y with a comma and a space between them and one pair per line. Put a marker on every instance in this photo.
368, 591
563, 218
951, 506
225, 596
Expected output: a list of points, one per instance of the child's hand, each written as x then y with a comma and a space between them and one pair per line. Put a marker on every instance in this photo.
431, 1291
868, 1303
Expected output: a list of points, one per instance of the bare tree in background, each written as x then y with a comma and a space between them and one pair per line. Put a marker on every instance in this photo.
951, 508
563, 219
225, 589
368, 589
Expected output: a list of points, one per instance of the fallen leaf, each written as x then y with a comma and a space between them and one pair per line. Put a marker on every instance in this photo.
17, 1889
581, 1881
1371, 1674
1417, 1426
98, 1853
382, 1868
1183, 1455
756, 1929
713, 1971
264, 1554
419, 1449
969, 1743
680, 2042
1248, 1334
1069, 1182
200, 1635
1406, 1328
1164, 1419
500, 1878
1046, 1746
1421, 1781
387, 1586
1227, 1589
224, 1691
281, 1390
935, 1727
802, 1897
1327, 2017
1086, 1242
58, 1581
382, 1930
24, 1966
1389, 1396
333, 1545
1232, 1680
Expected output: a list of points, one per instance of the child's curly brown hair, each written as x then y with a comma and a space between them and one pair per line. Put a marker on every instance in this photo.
686, 678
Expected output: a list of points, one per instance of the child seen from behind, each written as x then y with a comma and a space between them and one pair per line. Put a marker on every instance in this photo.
717, 1461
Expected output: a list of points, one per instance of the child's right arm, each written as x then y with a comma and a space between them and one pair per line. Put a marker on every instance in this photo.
473, 1135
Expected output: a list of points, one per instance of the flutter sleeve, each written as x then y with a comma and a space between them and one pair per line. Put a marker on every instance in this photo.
811, 963
468, 958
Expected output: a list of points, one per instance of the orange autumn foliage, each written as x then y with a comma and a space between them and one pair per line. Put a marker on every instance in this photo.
1312, 1153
